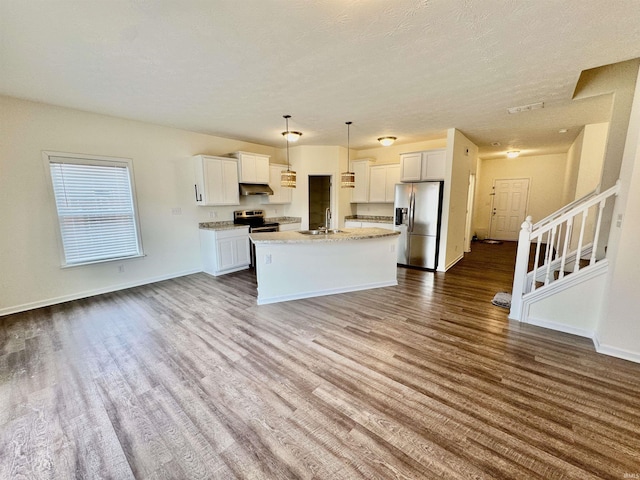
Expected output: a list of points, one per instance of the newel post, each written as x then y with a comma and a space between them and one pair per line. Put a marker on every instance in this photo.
520, 274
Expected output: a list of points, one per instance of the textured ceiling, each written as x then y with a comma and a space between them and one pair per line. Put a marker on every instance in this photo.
411, 69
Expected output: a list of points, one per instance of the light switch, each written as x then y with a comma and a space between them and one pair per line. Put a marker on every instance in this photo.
267, 258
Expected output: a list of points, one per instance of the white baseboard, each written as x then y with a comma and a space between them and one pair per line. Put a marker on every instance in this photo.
560, 327
320, 293
452, 263
615, 352
90, 293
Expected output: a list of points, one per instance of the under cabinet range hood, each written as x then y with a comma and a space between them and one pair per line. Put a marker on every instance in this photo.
255, 189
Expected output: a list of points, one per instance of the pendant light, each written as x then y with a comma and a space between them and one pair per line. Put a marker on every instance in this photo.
348, 178
288, 177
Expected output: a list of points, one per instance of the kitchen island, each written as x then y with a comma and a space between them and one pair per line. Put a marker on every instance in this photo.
292, 265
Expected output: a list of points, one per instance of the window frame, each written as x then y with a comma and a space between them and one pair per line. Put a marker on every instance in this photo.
97, 160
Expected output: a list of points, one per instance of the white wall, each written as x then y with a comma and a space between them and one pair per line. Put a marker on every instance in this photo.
319, 160
619, 327
29, 257
575, 310
546, 174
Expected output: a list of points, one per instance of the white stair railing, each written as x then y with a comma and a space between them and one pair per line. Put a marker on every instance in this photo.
566, 208
562, 246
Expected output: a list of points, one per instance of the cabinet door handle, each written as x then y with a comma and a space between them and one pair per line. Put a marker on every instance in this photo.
197, 199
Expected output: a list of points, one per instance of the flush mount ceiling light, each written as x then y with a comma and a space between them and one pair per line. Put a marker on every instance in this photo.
348, 178
386, 141
513, 153
288, 176
563, 130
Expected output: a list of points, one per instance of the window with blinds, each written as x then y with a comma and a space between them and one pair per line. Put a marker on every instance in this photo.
96, 209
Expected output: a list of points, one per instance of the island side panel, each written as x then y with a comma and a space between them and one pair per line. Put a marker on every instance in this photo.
288, 271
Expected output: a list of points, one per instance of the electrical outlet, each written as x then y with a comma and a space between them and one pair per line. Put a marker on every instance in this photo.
213, 214
121, 268
176, 211
267, 259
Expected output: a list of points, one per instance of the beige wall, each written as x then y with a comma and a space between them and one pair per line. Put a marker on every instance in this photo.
29, 255
571, 170
546, 174
462, 156
592, 158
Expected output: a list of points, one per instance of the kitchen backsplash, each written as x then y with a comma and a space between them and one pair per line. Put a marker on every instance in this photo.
375, 209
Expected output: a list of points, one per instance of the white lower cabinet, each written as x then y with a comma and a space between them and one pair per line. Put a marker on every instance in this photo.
287, 227
225, 251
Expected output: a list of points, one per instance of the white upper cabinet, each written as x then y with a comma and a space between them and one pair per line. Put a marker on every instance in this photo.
421, 166
253, 167
280, 194
383, 179
360, 193
434, 164
410, 167
216, 180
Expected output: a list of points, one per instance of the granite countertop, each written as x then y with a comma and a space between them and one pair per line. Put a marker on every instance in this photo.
344, 235
283, 220
369, 218
224, 225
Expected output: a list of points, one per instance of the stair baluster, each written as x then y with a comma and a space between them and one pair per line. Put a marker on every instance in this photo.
556, 232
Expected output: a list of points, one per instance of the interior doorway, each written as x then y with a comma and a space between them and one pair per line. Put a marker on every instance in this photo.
319, 200
509, 207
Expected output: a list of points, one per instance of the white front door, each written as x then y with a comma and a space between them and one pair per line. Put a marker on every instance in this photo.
509, 208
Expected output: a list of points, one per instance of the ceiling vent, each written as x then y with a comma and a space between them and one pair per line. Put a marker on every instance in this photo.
526, 108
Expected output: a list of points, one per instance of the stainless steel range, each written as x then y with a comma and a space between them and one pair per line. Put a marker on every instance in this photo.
255, 220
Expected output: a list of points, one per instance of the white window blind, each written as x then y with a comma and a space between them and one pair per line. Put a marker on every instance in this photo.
96, 209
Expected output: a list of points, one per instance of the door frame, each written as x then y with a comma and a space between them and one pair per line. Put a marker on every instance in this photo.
332, 197
469, 219
493, 199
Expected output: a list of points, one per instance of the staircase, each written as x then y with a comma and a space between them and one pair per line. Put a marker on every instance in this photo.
560, 251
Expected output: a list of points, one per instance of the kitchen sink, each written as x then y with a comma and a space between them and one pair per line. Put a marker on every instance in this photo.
320, 232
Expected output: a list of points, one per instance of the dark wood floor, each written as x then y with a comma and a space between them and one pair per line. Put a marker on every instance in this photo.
188, 379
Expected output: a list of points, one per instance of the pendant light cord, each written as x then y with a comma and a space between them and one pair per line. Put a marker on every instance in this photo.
348, 144
286, 118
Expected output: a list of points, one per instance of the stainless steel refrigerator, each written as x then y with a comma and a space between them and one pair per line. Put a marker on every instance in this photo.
418, 213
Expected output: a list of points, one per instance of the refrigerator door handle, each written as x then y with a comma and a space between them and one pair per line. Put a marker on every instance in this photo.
412, 213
